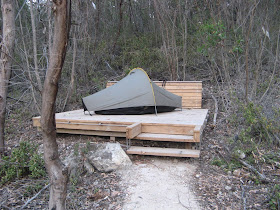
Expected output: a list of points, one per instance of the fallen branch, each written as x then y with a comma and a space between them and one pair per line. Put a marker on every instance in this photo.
243, 196
222, 156
35, 196
262, 177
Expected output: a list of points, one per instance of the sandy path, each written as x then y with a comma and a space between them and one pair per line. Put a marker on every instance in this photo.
160, 184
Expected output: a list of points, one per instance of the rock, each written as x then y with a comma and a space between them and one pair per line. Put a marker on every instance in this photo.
72, 162
88, 167
228, 188
240, 154
115, 193
197, 175
108, 157
237, 172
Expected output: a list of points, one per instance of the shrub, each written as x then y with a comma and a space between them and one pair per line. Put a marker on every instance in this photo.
23, 161
259, 127
275, 198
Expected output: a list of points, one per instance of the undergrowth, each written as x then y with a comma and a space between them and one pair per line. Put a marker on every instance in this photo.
24, 160
274, 202
256, 141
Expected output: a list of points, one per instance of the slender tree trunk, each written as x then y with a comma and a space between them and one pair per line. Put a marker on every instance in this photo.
7, 45
185, 36
56, 170
119, 26
72, 80
28, 67
36, 68
247, 53
50, 28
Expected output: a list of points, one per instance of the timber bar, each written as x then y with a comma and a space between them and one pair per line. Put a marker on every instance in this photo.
185, 126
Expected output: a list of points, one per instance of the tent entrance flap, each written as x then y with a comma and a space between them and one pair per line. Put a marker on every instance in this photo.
134, 94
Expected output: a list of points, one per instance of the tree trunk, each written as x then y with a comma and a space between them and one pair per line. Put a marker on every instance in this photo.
56, 170
7, 45
36, 68
72, 80
119, 26
28, 66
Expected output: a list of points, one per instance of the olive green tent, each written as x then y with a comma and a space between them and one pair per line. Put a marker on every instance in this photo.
134, 94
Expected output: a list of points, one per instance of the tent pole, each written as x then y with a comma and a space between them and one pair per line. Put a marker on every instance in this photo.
156, 110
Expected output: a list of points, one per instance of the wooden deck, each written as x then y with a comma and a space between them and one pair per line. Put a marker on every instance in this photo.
185, 126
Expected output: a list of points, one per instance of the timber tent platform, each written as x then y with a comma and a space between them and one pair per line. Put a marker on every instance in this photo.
178, 126
185, 126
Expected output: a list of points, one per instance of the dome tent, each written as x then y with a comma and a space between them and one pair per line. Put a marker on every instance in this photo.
134, 94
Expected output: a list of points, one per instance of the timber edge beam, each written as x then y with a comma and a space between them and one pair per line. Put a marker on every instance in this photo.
133, 130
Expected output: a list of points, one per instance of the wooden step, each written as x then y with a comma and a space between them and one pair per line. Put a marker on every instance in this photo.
157, 151
164, 137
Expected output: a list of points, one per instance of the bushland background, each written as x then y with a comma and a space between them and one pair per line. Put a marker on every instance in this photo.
232, 46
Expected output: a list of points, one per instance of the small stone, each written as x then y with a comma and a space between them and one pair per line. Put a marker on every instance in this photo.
240, 154
237, 172
229, 173
115, 193
228, 188
197, 175
89, 167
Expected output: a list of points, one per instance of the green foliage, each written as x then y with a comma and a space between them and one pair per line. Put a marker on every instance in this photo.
212, 35
233, 164
85, 149
32, 189
140, 51
238, 46
259, 127
36, 166
23, 161
218, 162
74, 180
76, 149
275, 198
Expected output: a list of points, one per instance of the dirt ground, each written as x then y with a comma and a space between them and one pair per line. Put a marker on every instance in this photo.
160, 183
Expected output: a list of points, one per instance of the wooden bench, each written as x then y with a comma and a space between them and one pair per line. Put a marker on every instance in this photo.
191, 92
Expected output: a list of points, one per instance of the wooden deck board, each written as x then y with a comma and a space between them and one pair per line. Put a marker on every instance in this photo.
164, 137
156, 151
173, 123
185, 117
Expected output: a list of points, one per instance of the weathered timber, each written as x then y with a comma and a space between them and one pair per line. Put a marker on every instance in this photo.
164, 137
133, 130
156, 151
